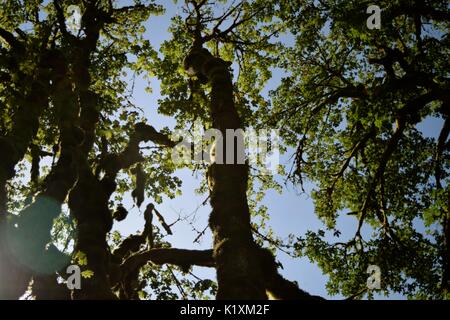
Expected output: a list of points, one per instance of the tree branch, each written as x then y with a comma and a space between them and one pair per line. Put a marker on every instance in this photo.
112, 164
60, 18
10, 39
443, 136
277, 286
160, 256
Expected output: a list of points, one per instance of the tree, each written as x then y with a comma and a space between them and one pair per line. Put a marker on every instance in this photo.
63, 97
351, 107
73, 144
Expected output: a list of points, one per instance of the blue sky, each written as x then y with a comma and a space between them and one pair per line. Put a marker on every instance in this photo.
290, 212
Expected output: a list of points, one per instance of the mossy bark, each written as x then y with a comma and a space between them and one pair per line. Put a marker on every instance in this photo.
239, 272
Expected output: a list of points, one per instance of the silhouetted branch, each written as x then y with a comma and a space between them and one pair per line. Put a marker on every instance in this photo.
160, 256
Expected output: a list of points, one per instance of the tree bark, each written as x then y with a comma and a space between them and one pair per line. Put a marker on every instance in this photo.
244, 270
239, 273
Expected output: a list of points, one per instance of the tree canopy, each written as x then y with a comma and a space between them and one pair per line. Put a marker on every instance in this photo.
348, 107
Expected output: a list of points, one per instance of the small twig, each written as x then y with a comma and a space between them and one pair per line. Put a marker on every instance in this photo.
178, 284
200, 234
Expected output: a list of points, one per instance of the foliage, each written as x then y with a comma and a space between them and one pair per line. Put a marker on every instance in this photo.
349, 107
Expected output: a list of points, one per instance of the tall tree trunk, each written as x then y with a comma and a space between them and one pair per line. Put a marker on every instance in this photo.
244, 270
88, 201
239, 272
